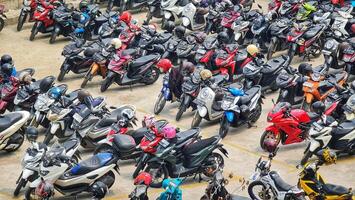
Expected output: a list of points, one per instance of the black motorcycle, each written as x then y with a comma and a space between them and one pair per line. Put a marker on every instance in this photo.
277, 33
197, 158
290, 88
170, 49
186, 49
264, 75
63, 24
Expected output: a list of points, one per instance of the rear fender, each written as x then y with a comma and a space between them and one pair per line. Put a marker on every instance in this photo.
187, 100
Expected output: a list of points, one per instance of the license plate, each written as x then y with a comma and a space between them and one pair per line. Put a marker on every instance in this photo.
307, 84
77, 117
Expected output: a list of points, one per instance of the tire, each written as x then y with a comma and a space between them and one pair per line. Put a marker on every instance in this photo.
307, 155
34, 31
266, 135
53, 37
181, 110
105, 84
159, 104
224, 127
318, 52
22, 139
219, 162
256, 114
271, 50
108, 179
196, 120
21, 20
2, 23
153, 76
86, 79
21, 184
290, 54
158, 175
61, 75
251, 193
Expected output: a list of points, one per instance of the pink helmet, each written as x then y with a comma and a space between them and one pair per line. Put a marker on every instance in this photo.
169, 132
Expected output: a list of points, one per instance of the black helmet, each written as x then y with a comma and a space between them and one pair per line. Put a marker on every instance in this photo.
82, 95
223, 37
169, 26
305, 68
89, 52
46, 84
6, 59
99, 190
31, 133
7, 69
180, 31
318, 107
187, 68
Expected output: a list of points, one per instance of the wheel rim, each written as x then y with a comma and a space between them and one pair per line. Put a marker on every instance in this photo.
262, 193
151, 76
218, 163
271, 136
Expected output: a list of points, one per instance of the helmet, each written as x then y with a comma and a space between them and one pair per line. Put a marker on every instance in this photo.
44, 190
187, 68
327, 156
31, 133
82, 95
252, 50
169, 131
126, 17
318, 107
353, 28
6, 59
99, 190
116, 43
270, 144
223, 37
205, 74
305, 68
55, 92
180, 31
89, 52
46, 84
143, 178
169, 26
164, 65
309, 7
7, 69
83, 4
25, 77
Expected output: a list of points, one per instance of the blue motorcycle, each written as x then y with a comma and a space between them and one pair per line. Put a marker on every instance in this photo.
240, 108
172, 190
164, 96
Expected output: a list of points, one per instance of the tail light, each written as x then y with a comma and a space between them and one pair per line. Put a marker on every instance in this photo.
290, 38
110, 135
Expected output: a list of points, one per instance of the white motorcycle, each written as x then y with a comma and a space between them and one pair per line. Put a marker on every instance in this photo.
241, 29
194, 18
341, 19
205, 101
56, 170
12, 131
172, 10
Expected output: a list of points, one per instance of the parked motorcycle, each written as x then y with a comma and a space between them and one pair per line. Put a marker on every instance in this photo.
240, 108
8, 93
267, 183
2, 17
63, 24
277, 32
197, 158
194, 18
141, 70
12, 133
172, 10
154, 10
27, 10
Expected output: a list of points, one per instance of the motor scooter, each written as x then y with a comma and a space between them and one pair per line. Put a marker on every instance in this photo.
27, 10
193, 18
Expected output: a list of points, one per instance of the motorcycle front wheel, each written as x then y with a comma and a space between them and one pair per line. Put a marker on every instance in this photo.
268, 135
61, 75
105, 84
34, 31
181, 111
159, 104
307, 155
271, 50
86, 79
224, 127
19, 186
196, 120
54, 35
21, 20
258, 191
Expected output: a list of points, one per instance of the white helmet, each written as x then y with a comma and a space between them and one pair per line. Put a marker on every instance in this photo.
116, 43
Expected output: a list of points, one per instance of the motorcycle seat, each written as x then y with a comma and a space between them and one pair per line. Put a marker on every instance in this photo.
91, 164
70, 144
312, 31
249, 94
272, 65
280, 184
197, 146
344, 128
9, 119
144, 60
335, 189
124, 142
138, 134
185, 135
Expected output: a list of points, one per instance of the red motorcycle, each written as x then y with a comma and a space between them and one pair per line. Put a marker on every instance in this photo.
2, 17
43, 21
8, 93
28, 9
273, 7
225, 60
290, 125
227, 20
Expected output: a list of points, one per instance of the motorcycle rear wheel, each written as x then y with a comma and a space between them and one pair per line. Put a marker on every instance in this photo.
158, 172
108, 179
19, 143
21, 20
263, 194
159, 104
196, 120
219, 164
151, 76
256, 115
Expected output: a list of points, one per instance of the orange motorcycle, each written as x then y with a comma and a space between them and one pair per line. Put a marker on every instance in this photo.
319, 86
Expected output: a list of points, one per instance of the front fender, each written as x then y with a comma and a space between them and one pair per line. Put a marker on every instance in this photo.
27, 173
229, 115
187, 100
313, 145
